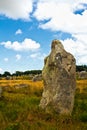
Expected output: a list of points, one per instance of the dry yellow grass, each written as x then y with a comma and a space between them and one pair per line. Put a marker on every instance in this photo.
13, 83
18, 89
82, 84
20, 85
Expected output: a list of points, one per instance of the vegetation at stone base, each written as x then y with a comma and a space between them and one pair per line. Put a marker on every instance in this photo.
19, 108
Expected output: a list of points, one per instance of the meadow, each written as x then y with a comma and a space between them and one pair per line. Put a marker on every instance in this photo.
19, 108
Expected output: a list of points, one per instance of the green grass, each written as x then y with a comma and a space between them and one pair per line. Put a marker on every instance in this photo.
19, 110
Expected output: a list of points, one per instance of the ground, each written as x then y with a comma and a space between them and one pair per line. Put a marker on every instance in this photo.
19, 108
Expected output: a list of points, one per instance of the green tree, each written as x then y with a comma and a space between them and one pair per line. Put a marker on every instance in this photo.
6, 73
81, 68
18, 73
0, 75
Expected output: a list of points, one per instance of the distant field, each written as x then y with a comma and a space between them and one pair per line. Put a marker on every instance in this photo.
13, 83
19, 108
81, 84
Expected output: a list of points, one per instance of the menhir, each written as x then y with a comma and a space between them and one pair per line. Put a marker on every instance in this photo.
59, 77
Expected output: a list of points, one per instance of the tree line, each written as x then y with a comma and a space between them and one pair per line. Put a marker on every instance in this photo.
20, 73
79, 68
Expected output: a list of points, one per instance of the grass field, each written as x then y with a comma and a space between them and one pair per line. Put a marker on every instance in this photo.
19, 108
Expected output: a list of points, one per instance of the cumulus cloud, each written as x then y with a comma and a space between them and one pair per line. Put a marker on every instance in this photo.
16, 9
6, 59
77, 48
18, 57
19, 31
26, 45
60, 16
67, 16
1, 70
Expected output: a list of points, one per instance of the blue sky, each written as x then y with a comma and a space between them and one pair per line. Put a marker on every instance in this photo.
27, 28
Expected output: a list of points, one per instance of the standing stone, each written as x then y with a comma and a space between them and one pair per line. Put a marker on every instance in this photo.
59, 77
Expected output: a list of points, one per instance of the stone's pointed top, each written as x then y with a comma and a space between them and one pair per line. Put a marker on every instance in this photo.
56, 44
56, 41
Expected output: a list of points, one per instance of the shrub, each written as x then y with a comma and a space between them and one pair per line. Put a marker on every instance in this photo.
13, 127
83, 117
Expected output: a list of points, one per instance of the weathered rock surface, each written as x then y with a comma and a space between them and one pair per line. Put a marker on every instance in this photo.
59, 76
82, 75
37, 78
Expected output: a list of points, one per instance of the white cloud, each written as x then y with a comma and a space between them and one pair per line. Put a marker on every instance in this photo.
18, 57
16, 9
39, 56
1, 70
59, 15
6, 59
26, 45
77, 48
34, 55
19, 31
